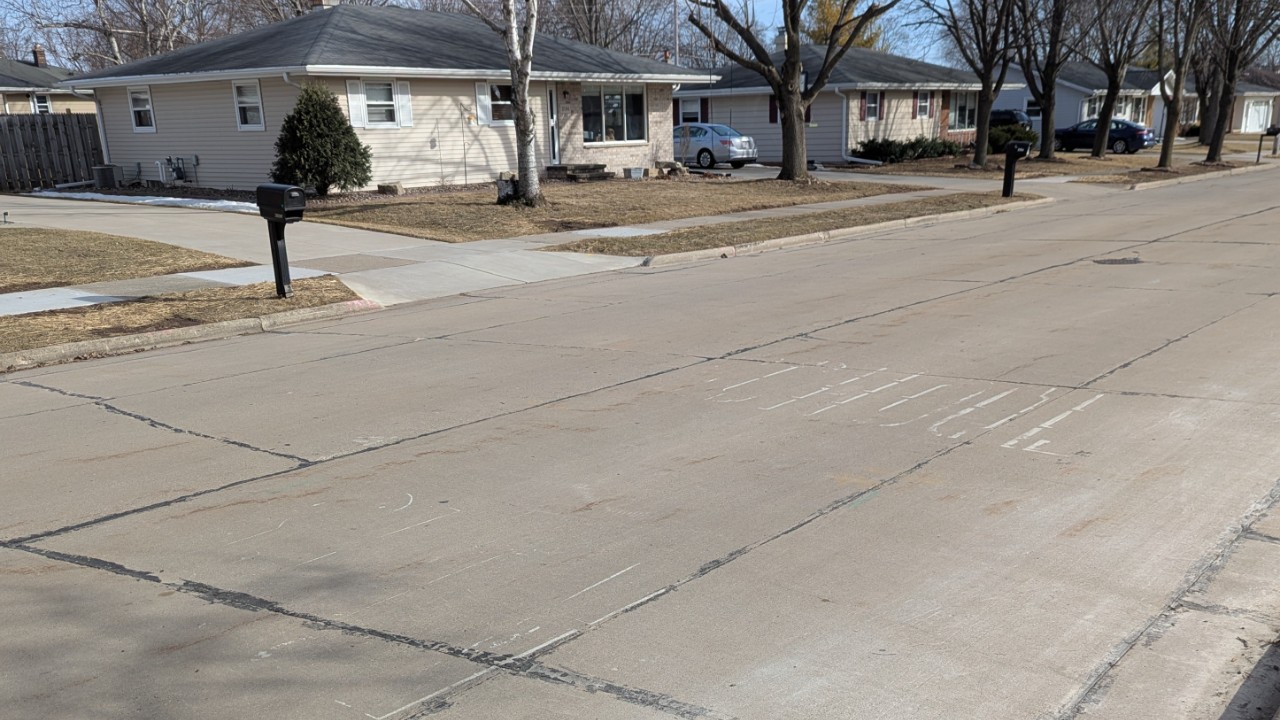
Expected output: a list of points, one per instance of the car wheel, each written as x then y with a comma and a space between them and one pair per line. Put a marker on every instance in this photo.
1120, 147
737, 165
705, 159
1057, 145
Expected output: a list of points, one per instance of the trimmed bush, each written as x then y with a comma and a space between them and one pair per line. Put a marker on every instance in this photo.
893, 151
318, 148
1003, 134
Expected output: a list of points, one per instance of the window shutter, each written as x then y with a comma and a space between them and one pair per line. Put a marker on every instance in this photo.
773, 110
404, 104
355, 104
704, 109
862, 106
915, 105
484, 115
884, 111
808, 112
675, 112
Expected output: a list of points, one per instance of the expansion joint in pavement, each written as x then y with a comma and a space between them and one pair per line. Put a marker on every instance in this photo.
523, 665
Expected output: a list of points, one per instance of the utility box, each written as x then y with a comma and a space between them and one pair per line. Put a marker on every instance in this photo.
107, 177
281, 203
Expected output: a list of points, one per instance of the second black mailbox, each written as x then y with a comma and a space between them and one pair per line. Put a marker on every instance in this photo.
281, 203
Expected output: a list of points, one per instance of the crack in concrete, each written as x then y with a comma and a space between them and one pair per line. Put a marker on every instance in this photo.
1197, 576
518, 665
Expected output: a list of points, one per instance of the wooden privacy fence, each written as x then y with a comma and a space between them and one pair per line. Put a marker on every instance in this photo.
40, 151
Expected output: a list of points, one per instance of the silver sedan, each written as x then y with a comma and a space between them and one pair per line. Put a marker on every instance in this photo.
708, 144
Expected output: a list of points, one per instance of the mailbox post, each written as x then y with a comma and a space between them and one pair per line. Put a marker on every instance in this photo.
280, 205
1013, 151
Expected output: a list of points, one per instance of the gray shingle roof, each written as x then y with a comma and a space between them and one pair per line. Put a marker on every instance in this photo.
860, 67
18, 74
351, 35
1089, 77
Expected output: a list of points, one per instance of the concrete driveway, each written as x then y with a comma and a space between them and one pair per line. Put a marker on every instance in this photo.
961, 471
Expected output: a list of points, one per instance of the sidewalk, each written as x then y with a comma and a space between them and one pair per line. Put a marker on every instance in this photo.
387, 269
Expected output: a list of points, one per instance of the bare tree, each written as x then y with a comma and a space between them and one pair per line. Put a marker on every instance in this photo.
637, 27
1177, 25
1047, 30
518, 24
793, 85
1121, 35
1240, 32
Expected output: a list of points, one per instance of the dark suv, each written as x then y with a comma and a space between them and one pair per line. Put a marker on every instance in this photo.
1010, 117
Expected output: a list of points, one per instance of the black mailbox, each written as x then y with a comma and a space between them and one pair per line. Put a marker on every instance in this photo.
281, 203
1017, 148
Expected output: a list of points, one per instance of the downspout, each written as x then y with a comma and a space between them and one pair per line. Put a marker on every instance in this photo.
288, 80
844, 134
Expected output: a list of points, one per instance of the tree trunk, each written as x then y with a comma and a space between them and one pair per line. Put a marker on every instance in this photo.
1209, 106
530, 187
986, 98
1048, 110
795, 158
1226, 98
1102, 138
1172, 123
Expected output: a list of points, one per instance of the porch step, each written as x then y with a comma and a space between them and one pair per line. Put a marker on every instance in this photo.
591, 176
562, 172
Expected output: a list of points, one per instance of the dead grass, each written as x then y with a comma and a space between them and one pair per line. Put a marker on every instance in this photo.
35, 258
749, 231
162, 312
1154, 174
1074, 163
467, 215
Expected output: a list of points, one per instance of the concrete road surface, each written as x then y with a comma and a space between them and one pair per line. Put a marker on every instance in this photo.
1019, 467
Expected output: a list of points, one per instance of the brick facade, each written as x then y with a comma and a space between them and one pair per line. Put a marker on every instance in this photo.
616, 155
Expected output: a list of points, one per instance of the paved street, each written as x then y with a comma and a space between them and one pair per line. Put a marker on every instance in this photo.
983, 469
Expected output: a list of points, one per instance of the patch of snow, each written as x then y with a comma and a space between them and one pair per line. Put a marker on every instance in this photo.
197, 203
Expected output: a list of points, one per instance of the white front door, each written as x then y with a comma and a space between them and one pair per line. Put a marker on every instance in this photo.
1257, 114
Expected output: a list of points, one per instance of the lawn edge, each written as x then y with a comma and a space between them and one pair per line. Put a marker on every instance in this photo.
1202, 176
825, 236
122, 344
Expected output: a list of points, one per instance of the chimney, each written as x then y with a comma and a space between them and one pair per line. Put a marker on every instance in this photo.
780, 40
38, 56
323, 4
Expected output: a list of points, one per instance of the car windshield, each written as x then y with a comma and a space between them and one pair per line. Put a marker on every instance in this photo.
724, 131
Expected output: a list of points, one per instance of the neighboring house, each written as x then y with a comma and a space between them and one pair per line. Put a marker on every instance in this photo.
29, 87
1082, 88
870, 95
429, 92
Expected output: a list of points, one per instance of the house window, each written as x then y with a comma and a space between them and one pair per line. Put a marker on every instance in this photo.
501, 111
248, 100
964, 111
613, 113
924, 100
40, 104
144, 119
1091, 107
690, 110
873, 106
380, 104
1032, 108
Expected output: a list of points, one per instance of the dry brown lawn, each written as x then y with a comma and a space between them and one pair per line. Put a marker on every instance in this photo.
1074, 163
749, 231
35, 258
1153, 174
162, 312
466, 215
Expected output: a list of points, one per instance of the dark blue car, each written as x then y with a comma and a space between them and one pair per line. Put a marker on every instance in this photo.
1125, 136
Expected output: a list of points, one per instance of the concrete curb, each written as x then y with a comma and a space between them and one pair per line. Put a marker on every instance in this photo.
1202, 176
826, 236
54, 354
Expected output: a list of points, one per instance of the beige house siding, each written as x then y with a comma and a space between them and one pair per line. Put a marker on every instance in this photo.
445, 144
616, 155
749, 115
20, 103
896, 122
197, 119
